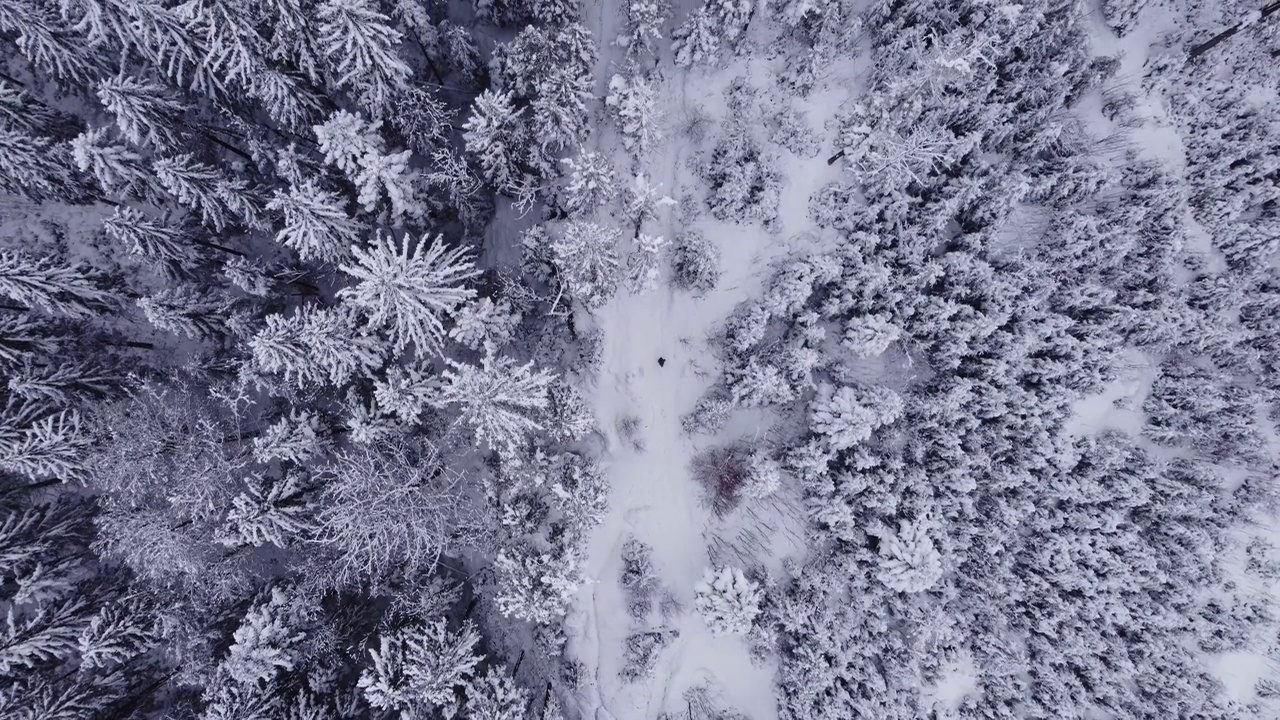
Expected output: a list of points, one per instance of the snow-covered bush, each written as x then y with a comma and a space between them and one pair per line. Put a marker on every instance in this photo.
847, 416
708, 416
723, 472
909, 562
727, 601
789, 129
695, 263
640, 652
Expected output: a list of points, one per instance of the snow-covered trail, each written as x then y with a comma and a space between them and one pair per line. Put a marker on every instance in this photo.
653, 496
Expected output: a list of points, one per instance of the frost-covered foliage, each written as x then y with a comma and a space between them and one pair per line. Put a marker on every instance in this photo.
869, 335
296, 438
639, 579
727, 601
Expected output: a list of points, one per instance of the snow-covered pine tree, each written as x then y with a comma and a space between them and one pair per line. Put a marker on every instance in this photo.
585, 255
315, 346
56, 289
188, 310
146, 113
120, 172
204, 189
359, 44
646, 21
23, 340
496, 136
118, 633
296, 437
316, 225
634, 104
568, 417
345, 138
590, 184
48, 43
498, 399
559, 112
643, 264
406, 392
62, 384
764, 475
268, 638
36, 167
496, 696
909, 562
697, 41
52, 446
484, 323
847, 416
727, 601
151, 239
695, 263
389, 174
408, 287
870, 335
275, 511
417, 669
535, 586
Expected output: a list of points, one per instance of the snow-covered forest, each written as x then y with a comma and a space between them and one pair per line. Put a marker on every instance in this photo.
639, 359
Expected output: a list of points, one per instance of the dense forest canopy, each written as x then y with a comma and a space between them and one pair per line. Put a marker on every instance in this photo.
326, 330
